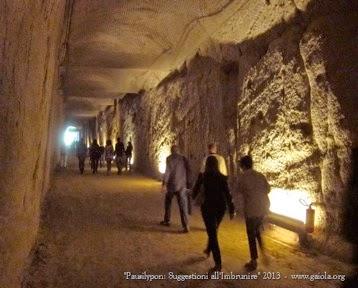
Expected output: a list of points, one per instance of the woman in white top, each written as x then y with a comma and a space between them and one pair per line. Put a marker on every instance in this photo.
213, 151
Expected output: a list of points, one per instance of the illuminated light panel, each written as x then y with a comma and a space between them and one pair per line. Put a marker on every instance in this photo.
286, 202
164, 153
71, 134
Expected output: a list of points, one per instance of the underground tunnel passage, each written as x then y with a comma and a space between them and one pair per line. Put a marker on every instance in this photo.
273, 79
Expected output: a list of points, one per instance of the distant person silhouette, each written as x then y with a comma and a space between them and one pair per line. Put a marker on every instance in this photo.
108, 155
63, 155
120, 155
254, 188
95, 154
217, 198
81, 154
101, 157
175, 183
129, 155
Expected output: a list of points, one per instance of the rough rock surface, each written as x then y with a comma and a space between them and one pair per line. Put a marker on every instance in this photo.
287, 96
30, 113
124, 46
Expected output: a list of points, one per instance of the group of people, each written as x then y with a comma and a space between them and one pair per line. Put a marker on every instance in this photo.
119, 154
211, 192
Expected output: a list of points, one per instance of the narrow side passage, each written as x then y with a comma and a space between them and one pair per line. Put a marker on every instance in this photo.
96, 227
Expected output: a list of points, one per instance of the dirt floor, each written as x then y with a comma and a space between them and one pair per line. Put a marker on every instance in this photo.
97, 227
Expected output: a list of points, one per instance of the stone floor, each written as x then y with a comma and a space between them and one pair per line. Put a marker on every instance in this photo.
97, 227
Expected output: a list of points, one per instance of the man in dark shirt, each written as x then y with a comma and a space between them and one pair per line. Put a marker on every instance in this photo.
95, 155
129, 151
81, 154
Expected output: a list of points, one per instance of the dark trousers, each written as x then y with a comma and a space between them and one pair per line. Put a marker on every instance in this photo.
81, 164
182, 203
253, 226
212, 220
94, 165
189, 204
119, 164
109, 165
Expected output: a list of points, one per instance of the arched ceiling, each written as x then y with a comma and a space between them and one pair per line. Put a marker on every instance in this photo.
122, 46
117, 47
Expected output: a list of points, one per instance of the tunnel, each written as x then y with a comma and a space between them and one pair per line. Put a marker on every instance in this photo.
273, 79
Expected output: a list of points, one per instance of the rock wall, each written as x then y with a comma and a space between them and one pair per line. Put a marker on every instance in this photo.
30, 112
187, 108
297, 128
287, 97
108, 124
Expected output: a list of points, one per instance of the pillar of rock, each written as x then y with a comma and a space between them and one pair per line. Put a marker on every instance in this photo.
30, 41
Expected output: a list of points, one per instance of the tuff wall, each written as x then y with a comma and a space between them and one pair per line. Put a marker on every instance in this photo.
30, 105
287, 96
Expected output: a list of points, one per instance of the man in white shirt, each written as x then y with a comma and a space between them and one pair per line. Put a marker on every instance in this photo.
254, 188
175, 183
213, 151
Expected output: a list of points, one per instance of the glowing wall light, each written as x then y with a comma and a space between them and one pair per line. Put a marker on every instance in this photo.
164, 153
287, 203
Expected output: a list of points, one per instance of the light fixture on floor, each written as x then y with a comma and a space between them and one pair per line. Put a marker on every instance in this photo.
287, 202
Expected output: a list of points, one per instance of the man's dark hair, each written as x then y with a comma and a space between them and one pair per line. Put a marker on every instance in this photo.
246, 162
174, 149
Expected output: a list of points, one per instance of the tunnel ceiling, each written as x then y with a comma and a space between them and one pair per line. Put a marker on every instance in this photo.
124, 46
